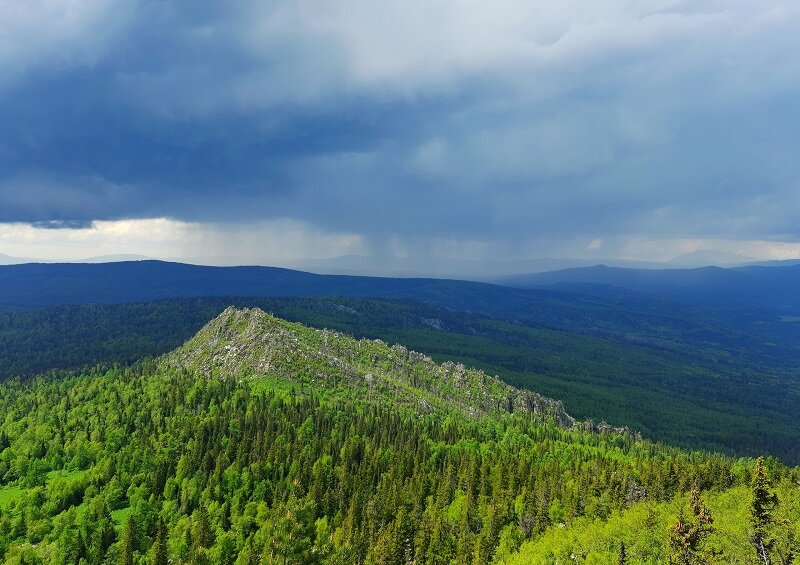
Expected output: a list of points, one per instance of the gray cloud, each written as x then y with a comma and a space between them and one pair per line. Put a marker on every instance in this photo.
62, 225
499, 122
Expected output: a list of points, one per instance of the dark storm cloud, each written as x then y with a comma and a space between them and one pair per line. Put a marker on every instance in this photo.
516, 120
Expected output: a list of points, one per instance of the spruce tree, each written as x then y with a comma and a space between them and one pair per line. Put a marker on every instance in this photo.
248, 555
688, 535
160, 552
203, 533
130, 540
761, 508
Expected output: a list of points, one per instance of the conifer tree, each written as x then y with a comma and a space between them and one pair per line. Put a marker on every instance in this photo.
103, 534
688, 535
160, 552
761, 513
291, 532
248, 555
130, 540
203, 534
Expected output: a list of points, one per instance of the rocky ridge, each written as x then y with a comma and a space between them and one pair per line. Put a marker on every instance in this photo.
247, 343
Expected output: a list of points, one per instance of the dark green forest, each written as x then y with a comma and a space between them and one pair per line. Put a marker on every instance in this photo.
261, 441
696, 382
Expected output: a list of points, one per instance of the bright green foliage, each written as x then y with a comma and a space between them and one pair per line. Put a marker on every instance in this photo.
645, 529
290, 531
263, 441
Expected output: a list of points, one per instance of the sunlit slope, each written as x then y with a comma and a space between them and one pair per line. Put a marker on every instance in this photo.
261, 438
251, 343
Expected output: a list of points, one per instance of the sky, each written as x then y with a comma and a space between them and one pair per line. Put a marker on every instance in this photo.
271, 132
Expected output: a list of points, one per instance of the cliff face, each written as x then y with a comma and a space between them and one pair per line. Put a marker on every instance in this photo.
250, 343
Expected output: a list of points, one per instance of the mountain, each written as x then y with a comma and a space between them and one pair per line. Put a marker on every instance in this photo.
249, 342
475, 270
37, 285
260, 439
709, 257
9, 260
114, 258
489, 270
776, 263
772, 288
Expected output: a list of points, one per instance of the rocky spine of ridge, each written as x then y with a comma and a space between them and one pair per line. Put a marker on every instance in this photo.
243, 343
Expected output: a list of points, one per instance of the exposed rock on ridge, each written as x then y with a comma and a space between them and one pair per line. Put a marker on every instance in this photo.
242, 343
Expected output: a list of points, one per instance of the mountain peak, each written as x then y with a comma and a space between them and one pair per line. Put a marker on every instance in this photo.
249, 342
709, 257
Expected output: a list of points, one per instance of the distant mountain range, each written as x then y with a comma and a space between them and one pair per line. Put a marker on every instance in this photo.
10, 260
485, 270
772, 288
488, 270
477, 270
709, 258
47, 284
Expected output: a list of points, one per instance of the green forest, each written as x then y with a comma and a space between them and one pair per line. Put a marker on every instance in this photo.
265, 441
685, 377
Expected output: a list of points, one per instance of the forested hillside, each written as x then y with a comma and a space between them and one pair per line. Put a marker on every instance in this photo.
688, 377
265, 441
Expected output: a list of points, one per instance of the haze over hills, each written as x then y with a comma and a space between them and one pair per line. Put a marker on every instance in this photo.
487, 270
709, 258
477, 270
769, 287
113, 258
365, 265
9, 260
